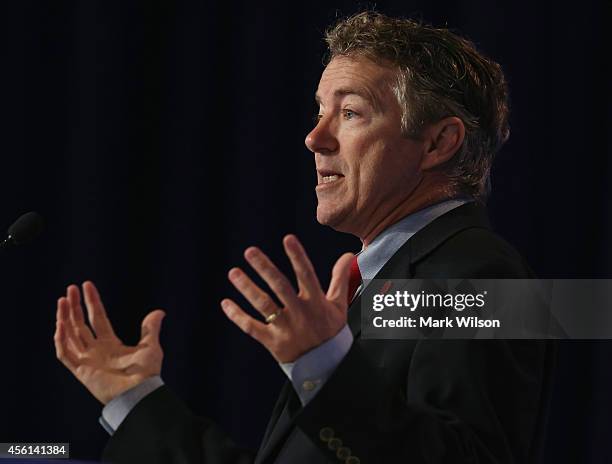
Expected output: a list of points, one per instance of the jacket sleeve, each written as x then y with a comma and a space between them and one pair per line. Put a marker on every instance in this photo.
161, 429
459, 401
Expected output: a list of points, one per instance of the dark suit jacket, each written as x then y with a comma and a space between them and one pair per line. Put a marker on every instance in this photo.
389, 401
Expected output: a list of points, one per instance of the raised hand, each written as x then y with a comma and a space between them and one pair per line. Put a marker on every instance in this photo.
96, 356
307, 318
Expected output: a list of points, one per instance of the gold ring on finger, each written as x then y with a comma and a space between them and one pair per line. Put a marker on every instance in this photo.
270, 318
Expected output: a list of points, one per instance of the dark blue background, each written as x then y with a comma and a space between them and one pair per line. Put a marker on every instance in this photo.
161, 139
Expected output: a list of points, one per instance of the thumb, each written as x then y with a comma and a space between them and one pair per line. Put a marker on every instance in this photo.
338, 287
151, 326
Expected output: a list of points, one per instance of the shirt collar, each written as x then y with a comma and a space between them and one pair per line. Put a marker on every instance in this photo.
383, 247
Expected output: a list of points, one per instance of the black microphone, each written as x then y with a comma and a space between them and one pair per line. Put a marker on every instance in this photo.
24, 229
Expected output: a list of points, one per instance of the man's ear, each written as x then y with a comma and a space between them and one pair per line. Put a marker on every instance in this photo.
442, 139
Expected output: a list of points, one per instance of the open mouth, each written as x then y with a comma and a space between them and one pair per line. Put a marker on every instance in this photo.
328, 177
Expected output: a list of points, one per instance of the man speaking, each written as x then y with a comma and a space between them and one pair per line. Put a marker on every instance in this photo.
410, 118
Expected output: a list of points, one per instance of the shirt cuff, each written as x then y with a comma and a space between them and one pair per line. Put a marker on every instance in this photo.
310, 371
118, 408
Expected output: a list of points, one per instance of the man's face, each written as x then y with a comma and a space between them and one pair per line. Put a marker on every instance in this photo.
366, 169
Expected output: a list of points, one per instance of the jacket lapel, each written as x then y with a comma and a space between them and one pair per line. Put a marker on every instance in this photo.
426, 240
280, 424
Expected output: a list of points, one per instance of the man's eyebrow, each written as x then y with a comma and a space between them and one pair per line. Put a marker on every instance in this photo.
359, 91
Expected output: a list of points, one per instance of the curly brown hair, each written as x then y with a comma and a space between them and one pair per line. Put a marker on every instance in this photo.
439, 74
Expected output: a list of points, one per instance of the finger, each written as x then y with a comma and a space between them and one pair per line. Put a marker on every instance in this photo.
339, 285
76, 320
260, 300
151, 326
62, 351
96, 312
63, 316
256, 329
78, 334
272, 276
303, 268
74, 297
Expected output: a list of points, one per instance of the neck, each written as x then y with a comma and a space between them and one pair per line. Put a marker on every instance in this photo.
431, 190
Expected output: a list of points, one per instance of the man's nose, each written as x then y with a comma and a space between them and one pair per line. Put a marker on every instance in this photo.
321, 139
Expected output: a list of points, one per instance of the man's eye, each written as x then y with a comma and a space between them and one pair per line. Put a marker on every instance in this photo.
316, 118
348, 114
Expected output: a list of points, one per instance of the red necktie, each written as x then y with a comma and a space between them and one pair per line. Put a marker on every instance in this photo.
354, 279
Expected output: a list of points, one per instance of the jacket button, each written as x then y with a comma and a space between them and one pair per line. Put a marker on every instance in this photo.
343, 453
326, 434
352, 460
334, 444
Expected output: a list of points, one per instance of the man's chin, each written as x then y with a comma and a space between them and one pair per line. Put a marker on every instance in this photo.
326, 218
334, 219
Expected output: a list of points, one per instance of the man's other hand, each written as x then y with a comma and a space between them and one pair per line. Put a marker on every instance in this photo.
307, 318
95, 355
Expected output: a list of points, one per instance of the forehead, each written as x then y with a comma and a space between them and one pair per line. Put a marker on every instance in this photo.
345, 75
